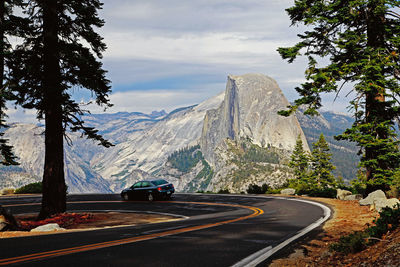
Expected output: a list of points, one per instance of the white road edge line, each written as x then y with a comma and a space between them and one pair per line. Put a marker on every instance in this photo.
263, 254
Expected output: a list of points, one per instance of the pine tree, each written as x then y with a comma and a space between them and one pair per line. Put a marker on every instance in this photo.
60, 55
361, 39
321, 166
10, 25
299, 161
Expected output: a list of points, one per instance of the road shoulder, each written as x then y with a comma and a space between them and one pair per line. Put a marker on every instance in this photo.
347, 217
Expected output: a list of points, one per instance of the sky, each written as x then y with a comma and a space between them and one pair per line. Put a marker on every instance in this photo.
164, 55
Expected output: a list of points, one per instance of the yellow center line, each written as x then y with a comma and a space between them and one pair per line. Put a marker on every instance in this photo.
66, 251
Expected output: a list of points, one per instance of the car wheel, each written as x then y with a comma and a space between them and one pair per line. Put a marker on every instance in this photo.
150, 197
125, 197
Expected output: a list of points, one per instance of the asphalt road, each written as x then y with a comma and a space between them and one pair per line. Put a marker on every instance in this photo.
211, 235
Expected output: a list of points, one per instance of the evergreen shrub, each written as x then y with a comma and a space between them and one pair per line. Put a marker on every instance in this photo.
223, 191
352, 243
33, 188
256, 189
389, 220
322, 192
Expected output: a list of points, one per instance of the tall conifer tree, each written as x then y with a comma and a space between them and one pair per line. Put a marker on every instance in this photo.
321, 165
361, 39
10, 25
299, 161
61, 54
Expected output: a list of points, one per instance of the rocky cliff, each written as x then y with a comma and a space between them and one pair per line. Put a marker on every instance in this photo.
249, 110
245, 140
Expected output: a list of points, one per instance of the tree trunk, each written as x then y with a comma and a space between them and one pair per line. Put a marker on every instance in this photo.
54, 188
2, 14
374, 102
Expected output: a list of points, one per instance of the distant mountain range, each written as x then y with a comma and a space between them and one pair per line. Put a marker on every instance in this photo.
226, 142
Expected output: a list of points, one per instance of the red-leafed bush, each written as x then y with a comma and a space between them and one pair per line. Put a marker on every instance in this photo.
64, 220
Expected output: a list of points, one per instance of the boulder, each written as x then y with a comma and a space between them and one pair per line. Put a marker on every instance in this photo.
47, 228
372, 197
353, 197
372, 207
288, 191
7, 220
7, 191
3, 223
341, 194
380, 203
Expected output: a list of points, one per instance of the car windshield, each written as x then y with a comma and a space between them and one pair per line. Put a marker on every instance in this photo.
159, 182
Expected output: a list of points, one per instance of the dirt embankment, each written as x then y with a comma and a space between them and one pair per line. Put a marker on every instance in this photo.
348, 216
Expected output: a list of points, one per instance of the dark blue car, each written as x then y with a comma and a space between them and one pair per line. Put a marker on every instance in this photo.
149, 190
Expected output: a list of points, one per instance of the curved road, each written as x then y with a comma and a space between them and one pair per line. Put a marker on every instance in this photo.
217, 230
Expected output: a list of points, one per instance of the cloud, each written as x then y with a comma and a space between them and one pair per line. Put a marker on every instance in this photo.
156, 39
167, 54
156, 45
20, 115
195, 48
176, 17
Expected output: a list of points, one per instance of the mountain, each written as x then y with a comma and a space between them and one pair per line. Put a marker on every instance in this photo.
142, 145
147, 150
117, 125
249, 110
245, 140
29, 147
226, 142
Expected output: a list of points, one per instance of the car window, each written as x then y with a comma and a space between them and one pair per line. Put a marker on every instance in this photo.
146, 184
159, 182
137, 185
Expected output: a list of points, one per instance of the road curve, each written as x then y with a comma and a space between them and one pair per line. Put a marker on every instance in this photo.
220, 230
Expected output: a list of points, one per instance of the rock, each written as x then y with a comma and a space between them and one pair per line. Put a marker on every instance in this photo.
380, 203
370, 199
372, 207
288, 191
353, 197
341, 194
3, 223
298, 253
48, 227
7, 220
7, 191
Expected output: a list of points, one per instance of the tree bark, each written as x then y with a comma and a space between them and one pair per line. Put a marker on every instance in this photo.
2, 14
54, 188
374, 102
